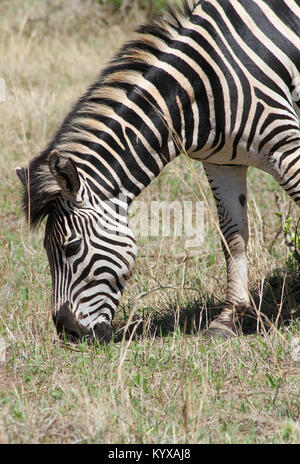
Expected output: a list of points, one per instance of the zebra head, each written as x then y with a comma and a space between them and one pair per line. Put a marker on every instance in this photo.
90, 248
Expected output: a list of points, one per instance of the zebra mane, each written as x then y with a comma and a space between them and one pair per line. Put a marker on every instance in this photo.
39, 186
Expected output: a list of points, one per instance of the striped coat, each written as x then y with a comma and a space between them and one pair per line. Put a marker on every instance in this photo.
216, 80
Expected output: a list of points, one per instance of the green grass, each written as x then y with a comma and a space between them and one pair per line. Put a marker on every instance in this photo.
150, 6
174, 389
161, 381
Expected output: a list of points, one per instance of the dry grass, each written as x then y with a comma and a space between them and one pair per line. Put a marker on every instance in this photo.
161, 386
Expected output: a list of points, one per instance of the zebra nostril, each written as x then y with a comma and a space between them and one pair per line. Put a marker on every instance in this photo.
103, 332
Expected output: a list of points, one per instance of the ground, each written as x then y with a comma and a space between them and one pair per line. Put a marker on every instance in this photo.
161, 381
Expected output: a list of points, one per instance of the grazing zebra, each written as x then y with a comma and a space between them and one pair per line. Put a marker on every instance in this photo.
217, 80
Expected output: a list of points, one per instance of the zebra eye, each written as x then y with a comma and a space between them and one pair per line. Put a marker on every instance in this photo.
72, 248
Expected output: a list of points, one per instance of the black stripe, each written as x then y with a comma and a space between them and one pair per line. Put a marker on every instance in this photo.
258, 112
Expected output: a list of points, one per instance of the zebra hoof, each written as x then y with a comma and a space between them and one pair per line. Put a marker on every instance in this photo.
221, 330
103, 333
217, 332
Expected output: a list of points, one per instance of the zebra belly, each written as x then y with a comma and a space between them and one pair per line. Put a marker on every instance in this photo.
243, 157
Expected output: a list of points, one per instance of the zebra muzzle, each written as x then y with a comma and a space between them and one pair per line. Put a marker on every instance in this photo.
70, 330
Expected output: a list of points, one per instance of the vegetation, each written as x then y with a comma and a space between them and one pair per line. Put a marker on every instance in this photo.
161, 381
125, 6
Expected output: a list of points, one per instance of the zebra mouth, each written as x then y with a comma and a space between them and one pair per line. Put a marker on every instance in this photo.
70, 330
67, 326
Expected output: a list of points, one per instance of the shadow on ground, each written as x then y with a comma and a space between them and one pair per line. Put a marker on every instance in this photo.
277, 299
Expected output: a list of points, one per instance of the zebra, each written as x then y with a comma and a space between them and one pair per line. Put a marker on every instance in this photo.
215, 79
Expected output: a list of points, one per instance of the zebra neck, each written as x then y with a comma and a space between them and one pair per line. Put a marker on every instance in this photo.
116, 158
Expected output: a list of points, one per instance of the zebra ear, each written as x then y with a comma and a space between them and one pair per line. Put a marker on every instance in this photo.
22, 175
65, 173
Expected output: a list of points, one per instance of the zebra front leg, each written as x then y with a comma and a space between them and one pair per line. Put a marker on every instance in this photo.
229, 186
